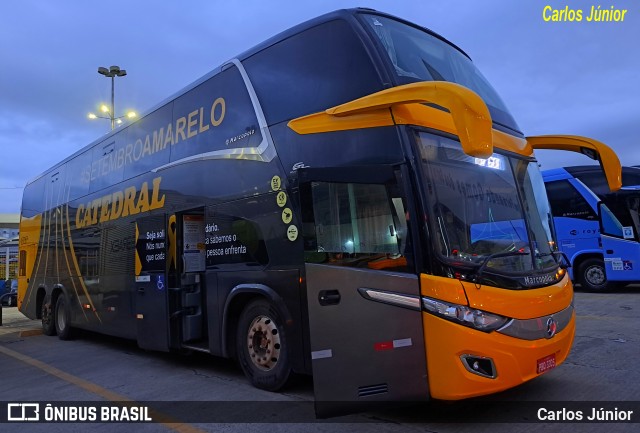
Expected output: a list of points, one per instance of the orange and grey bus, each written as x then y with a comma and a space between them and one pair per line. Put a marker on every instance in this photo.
349, 199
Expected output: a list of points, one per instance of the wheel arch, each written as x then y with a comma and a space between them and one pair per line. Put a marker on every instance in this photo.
592, 274
41, 295
580, 258
56, 291
239, 297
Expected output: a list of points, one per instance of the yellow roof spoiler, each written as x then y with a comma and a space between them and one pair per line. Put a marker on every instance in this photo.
469, 113
587, 146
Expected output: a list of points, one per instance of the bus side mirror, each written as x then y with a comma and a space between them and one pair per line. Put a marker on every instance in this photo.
594, 149
470, 115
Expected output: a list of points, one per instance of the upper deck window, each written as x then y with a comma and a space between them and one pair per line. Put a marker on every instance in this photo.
417, 55
311, 71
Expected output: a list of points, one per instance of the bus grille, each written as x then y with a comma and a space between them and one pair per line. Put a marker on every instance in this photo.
369, 390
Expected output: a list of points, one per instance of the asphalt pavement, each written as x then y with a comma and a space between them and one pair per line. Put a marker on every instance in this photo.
15, 323
601, 371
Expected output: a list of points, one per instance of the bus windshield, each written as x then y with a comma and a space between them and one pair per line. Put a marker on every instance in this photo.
490, 212
419, 56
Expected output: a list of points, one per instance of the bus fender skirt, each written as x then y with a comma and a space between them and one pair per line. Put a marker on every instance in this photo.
251, 289
42, 297
61, 290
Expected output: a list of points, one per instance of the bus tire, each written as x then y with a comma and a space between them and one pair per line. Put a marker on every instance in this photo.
261, 346
48, 326
593, 277
62, 318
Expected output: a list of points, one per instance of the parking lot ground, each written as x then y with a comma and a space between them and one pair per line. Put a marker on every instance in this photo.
15, 323
600, 372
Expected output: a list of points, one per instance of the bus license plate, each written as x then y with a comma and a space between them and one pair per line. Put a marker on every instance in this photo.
547, 363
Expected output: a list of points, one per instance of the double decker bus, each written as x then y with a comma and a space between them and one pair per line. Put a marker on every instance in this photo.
350, 199
597, 229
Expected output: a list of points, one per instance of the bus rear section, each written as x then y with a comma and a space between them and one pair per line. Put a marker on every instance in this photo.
596, 228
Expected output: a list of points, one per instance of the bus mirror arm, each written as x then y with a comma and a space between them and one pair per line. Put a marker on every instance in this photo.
471, 118
593, 149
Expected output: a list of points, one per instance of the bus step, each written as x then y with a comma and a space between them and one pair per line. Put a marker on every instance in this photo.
202, 347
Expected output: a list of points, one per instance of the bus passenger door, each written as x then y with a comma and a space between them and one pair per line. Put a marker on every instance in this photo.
367, 343
190, 301
151, 288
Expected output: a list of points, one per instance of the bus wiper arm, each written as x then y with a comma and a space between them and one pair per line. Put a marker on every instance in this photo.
490, 257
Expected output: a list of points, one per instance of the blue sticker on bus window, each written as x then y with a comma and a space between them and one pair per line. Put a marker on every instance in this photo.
627, 265
160, 282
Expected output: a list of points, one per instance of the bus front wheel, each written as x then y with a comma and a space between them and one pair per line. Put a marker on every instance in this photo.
261, 345
593, 277
62, 318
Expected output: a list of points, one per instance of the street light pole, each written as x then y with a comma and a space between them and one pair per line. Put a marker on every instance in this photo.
113, 103
112, 72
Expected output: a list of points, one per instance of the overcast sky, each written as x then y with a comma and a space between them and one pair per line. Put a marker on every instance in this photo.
556, 77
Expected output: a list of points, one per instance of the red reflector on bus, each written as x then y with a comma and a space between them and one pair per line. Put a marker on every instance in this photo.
387, 345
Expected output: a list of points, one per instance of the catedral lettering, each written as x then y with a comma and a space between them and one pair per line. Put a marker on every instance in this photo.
120, 204
181, 130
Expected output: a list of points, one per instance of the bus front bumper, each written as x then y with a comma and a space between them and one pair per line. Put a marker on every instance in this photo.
452, 350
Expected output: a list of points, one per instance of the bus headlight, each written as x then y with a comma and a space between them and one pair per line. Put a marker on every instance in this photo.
464, 315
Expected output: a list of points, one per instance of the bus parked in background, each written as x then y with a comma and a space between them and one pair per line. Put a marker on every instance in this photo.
597, 229
350, 198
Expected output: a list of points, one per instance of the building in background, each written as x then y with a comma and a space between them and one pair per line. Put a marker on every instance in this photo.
9, 239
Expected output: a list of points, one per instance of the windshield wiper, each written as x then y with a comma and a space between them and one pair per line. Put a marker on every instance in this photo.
490, 257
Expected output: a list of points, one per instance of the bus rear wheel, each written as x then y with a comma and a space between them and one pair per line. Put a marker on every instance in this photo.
62, 318
593, 277
46, 313
261, 345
